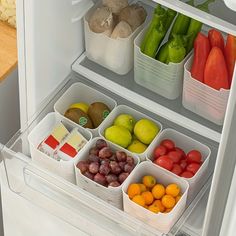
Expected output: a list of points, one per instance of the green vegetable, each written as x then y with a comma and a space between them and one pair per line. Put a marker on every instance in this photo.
159, 15
156, 36
176, 50
195, 26
170, 17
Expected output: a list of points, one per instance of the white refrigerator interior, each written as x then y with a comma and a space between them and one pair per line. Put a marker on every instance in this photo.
52, 58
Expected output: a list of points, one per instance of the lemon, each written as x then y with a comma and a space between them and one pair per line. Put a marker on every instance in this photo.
146, 130
137, 147
82, 106
126, 121
118, 135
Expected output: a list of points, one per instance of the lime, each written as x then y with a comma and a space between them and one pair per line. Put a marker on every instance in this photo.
137, 147
82, 106
118, 135
146, 130
126, 121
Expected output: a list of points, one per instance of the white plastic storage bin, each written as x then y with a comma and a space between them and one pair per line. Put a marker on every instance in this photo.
112, 195
79, 92
122, 109
202, 99
187, 144
61, 168
161, 221
114, 54
163, 79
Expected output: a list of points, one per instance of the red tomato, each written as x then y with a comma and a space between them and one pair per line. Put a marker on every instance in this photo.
183, 155
170, 145
193, 167
160, 151
165, 162
176, 169
174, 156
183, 164
194, 156
187, 174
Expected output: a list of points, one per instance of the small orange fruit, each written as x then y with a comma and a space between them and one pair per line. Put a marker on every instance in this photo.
168, 210
147, 197
154, 209
159, 205
177, 198
133, 190
173, 190
138, 199
149, 181
158, 191
142, 187
168, 201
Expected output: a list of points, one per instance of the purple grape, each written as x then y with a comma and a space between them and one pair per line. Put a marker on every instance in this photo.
130, 160
100, 179
105, 161
122, 177
111, 178
113, 158
114, 184
89, 175
94, 151
121, 156
122, 164
93, 158
101, 144
83, 166
94, 167
115, 168
104, 169
105, 153
128, 168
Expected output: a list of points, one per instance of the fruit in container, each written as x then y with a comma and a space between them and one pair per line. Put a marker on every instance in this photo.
118, 135
81, 105
125, 120
137, 147
134, 15
105, 166
79, 117
154, 197
174, 159
146, 130
115, 6
98, 112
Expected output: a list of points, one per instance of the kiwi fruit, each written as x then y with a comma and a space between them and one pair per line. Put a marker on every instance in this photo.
98, 111
79, 117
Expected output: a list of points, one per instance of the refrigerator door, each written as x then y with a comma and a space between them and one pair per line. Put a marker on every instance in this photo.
49, 40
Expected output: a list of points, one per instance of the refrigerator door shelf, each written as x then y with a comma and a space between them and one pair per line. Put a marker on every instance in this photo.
72, 204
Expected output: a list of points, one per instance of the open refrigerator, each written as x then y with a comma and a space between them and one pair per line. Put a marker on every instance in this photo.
52, 58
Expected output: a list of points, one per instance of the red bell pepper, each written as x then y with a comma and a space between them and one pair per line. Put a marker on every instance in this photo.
216, 39
230, 55
201, 52
216, 73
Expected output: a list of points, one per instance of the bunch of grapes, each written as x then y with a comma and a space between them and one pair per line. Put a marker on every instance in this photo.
106, 167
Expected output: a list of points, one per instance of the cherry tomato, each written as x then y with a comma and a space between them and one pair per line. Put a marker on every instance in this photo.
165, 162
187, 174
170, 145
194, 156
183, 155
160, 151
183, 164
193, 167
176, 169
174, 156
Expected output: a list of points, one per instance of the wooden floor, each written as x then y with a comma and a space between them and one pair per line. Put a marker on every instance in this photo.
8, 50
